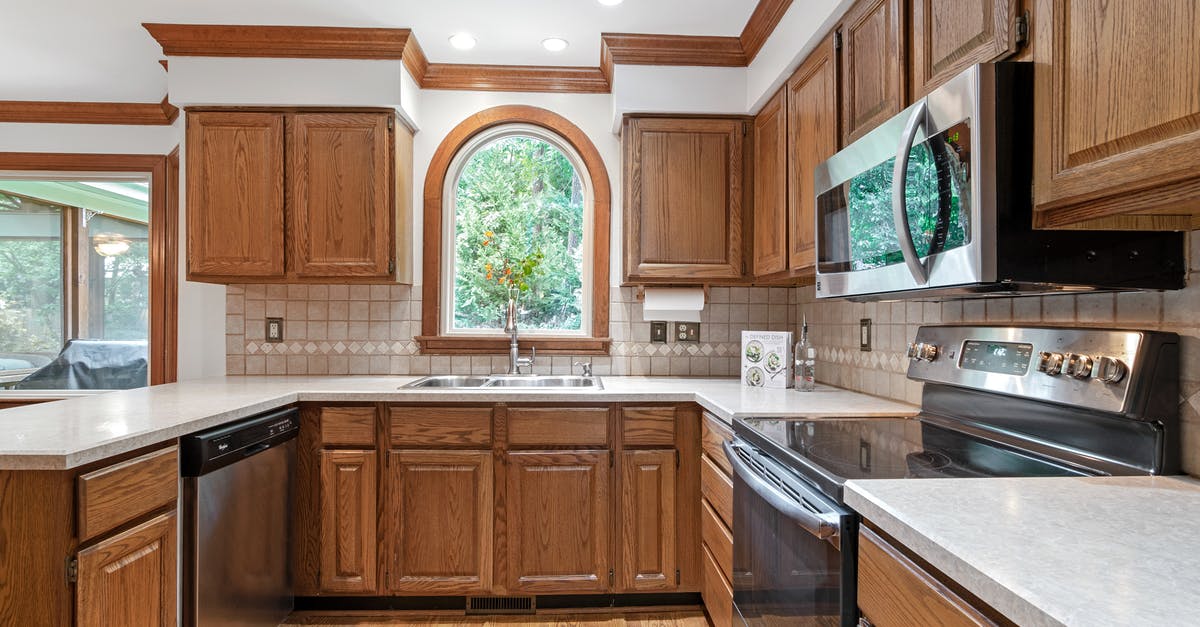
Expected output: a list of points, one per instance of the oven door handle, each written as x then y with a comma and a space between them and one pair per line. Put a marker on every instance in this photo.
919, 271
819, 524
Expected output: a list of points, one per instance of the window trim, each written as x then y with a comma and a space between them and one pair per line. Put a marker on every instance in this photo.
433, 339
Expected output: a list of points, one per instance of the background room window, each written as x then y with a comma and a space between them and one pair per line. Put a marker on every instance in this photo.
517, 192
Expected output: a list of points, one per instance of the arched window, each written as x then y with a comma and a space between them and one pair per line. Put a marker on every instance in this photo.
516, 198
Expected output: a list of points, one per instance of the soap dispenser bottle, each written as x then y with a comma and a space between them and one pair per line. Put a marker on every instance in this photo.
805, 357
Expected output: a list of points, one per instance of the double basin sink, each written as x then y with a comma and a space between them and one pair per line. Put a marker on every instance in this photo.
507, 381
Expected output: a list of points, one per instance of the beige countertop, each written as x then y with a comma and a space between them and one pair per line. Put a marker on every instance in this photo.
1089, 551
70, 433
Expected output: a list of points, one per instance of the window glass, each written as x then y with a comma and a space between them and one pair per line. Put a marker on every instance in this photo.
519, 205
31, 281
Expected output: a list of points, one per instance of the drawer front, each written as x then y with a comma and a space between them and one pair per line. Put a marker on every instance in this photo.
714, 432
555, 427
442, 427
717, 593
717, 488
648, 426
717, 538
347, 426
112, 496
895, 591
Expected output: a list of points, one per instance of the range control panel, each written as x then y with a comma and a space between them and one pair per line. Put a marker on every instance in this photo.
1092, 368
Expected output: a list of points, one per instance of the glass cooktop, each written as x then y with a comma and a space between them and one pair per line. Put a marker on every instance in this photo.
830, 452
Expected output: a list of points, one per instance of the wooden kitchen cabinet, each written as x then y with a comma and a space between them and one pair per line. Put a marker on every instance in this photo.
347, 176
1117, 114
873, 66
771, 187
812, 109
129, 578
557, 522
684, 197
348, 533
948, 36
716, 501
648, 523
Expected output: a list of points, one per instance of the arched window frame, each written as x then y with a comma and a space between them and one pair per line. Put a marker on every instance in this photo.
439, 189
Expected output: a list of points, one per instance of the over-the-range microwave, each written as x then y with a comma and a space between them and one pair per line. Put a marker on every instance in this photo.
937, 201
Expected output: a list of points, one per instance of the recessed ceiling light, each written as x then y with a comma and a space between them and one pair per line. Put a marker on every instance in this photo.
554, 44
611, 3
462, 41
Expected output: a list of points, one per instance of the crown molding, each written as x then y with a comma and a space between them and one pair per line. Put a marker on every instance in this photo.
289, 42
127, 113
766, 16
649, 49
577, 80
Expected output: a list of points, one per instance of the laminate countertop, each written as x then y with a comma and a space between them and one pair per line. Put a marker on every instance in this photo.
70, 433
1089, 551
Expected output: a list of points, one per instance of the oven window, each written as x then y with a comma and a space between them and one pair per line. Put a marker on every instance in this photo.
856, 222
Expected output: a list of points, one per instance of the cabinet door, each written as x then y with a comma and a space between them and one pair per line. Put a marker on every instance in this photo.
948, 36
1117, 109
440, 503
683, 209
558, 522
340, 216
348, 521
812, 138
129, 579
648, 521
872, 66
235, 195
770, 187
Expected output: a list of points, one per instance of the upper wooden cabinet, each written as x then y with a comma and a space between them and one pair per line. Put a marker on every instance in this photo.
812, 104
771, 187
348, 193
873, 65
949, 36
684, 188
1117, 113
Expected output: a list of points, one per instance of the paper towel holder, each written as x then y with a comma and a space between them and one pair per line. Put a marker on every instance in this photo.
640, 294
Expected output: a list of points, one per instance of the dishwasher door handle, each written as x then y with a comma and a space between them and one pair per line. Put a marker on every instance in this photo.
256, 449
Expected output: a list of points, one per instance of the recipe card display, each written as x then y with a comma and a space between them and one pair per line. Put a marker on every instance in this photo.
767, 359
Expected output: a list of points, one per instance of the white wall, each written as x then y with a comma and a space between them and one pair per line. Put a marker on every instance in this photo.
674, 89
284, 82
801, 29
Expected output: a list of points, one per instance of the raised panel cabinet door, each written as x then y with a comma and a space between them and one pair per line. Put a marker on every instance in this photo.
235, 225
812, 138
948, 36
340, 214
440, 506
1117, 109
557, 521
684, 192
648, 524
348, 536
129, 579
771, 187
873, 82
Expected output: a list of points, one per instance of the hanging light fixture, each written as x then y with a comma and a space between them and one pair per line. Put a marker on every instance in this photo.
110, 244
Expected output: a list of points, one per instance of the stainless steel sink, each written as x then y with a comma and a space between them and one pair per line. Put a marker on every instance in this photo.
507, 381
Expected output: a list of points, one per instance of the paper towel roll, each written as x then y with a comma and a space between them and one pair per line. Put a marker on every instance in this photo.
675, 304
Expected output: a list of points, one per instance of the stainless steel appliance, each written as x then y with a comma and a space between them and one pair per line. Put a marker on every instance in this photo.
937, 201
997, 402
237, 503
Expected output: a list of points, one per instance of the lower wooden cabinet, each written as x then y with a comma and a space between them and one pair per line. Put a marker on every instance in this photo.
348, 531
716, 521
129, 579
558, 522
648, 524
440, 509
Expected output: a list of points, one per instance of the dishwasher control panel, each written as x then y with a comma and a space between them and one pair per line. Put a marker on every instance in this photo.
212, 449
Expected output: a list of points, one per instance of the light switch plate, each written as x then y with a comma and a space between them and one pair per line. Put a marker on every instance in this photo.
686, 331
864, 335
658, 332
275, 330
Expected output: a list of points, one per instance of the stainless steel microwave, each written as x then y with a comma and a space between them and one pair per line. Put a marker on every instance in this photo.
938, 201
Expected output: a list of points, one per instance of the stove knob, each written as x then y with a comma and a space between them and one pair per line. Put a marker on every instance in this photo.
1079, 366
920, 351
1111, 370
1050, 363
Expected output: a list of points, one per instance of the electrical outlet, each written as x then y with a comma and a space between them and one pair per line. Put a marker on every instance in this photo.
687, 331
864, 335
274, 330
658, 332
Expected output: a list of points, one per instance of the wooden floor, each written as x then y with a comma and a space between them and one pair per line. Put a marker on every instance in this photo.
627, 619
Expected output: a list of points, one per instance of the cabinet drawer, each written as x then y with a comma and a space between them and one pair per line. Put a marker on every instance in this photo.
112, 496
717, 538
894, 590
459, 427
586, 427
713, 433
717, 487
717, 593
348, 426
649, 426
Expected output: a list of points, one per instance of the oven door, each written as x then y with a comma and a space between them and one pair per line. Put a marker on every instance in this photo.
794, 549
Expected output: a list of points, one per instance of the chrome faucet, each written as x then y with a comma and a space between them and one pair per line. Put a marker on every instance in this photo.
515, 361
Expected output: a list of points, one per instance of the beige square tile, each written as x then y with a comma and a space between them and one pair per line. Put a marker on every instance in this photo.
317, 330
255, 291
339, 310
317, 310
379, 330
999, 309
400, 292
419, 365
318, 292
338, 331
339, 292
381, 292
235, 324
1059, 308
339, 364
1182, 307
357, 330
276, 308
297, 292
276, 364
318, 364
1143, 308
1027, 309
256, 330
399, 310
256, 364
235, 303
235, 344
974, 310
1095, 308
380, 310
380, 364
360, 292
235, 365
360, 309
277, 292
360, 364
297, 364
296, 310
256, 309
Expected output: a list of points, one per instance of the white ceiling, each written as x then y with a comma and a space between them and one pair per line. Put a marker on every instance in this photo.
97, 50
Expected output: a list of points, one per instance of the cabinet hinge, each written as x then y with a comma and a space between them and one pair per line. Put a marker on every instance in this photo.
72, 570
837, 40
677, 576
610, 576
1022, 29
391, 122
391, 266
676, 458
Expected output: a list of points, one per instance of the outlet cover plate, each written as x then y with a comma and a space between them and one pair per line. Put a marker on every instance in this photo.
274, 330
658, 332
686, 331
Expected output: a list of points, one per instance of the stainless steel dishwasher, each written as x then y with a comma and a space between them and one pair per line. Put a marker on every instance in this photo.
237, 502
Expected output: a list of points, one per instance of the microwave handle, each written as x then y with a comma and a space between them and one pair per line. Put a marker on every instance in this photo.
821, 525
916, 120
